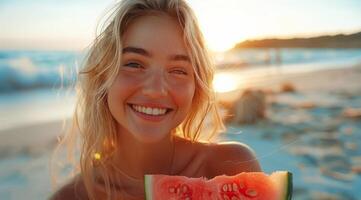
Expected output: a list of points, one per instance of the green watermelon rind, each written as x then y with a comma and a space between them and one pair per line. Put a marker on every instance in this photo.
289, 186
284, 180
148, 187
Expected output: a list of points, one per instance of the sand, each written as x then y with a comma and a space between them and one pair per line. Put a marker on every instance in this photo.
32, 139
346, 80
313, 86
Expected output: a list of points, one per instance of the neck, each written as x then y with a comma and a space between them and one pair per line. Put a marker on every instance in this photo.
135, 158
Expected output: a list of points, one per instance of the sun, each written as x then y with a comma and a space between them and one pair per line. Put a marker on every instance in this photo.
219, 41
218, 36
220, 44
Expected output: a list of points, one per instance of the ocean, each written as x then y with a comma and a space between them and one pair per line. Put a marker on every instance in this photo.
38, 82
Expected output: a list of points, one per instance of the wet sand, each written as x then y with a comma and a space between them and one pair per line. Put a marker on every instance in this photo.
346, 80
313, 131
33, 138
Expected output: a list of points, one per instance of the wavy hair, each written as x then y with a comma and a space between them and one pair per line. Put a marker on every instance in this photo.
92, 120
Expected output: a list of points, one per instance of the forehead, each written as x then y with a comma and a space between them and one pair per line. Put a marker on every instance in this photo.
158, 34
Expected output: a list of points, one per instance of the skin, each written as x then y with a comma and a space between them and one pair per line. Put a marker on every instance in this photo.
152, 75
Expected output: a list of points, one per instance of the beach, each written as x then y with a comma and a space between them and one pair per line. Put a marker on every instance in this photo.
313, 131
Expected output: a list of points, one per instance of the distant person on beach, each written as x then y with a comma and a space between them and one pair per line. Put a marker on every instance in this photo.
278, 57
145, 91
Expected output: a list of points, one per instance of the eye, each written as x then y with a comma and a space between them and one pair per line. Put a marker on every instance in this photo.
179, 71
133, 65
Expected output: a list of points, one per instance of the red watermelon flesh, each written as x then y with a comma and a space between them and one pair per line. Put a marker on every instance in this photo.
243, 186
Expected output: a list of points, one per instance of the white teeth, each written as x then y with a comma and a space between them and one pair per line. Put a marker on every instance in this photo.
155, 111
149, 111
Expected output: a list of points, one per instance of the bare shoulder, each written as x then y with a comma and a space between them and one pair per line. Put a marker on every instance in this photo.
230, 158
73, 190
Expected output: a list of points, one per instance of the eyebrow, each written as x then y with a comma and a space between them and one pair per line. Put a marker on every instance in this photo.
136, 50
180, 58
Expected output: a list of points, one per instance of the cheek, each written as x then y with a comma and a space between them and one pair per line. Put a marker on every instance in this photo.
183, 95
117, 96
122, 86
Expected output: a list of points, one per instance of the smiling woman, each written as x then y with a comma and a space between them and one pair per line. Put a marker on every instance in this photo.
144, 94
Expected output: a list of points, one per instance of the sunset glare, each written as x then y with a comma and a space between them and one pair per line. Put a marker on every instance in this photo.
224, 83
71, 25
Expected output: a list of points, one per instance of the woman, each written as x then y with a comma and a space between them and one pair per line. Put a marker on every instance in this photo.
145, 99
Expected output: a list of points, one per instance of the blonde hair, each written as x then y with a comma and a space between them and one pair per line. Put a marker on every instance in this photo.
92, 118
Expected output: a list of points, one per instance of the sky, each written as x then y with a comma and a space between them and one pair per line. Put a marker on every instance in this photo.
71, 24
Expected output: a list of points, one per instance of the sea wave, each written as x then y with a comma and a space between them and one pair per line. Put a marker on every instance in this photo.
33, 70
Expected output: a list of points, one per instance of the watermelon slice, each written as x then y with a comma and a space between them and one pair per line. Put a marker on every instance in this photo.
243, 186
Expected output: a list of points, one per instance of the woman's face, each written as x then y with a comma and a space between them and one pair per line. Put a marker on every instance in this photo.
153, 91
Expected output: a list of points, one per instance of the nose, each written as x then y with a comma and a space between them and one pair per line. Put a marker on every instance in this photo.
155, 85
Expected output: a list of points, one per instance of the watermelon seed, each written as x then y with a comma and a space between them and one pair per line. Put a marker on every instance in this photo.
224, 188
187, 198
225, 197
234, 198
235, 187
241, 185
171, 189
229, 187
184, 188
251, 192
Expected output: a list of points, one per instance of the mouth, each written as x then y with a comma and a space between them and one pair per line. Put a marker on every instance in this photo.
150, 111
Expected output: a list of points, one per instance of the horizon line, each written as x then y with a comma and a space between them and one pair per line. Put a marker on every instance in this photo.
67, 44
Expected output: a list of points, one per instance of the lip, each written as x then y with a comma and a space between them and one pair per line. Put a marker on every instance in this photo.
151, 118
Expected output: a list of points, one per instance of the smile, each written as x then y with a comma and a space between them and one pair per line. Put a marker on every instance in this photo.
150, 110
